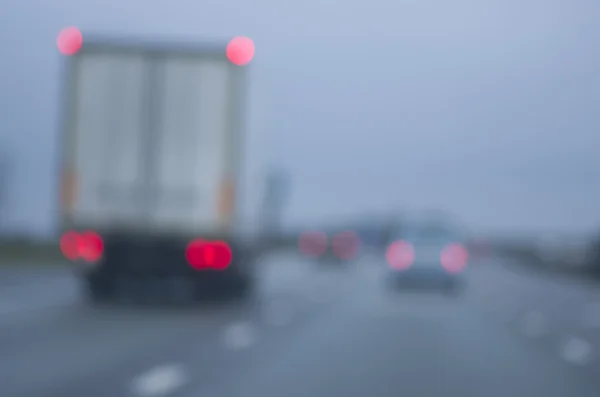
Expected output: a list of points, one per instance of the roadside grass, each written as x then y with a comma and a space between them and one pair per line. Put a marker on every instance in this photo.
20, 252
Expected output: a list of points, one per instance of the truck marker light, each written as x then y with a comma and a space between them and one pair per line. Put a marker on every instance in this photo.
240, 50
69, 41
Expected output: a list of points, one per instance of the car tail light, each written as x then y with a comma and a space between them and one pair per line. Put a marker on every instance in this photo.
400, 255
202, 254
222, 255
87, 246
313, 244
92, 247
70, 245
454, 258
345, 245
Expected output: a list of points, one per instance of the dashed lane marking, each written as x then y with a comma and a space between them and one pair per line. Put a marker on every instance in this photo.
239, 336
576, 351
160, 381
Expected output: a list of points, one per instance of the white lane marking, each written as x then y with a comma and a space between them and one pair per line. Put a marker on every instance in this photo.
160, 381
278, 313
576, 351
534, 324
239, 336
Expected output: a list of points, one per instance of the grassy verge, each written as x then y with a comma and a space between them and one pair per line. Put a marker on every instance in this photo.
44, 253
29, 252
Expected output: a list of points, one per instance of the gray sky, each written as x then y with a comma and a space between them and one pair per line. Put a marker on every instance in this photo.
487, 109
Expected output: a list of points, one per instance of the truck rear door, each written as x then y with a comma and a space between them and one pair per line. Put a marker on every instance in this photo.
151, 139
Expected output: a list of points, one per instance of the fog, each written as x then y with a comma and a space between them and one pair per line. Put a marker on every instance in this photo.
487, 110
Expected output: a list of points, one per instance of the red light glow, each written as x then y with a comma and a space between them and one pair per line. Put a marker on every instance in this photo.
400, 255
70, 243
92, 247
346, 245
240, 50
69, 41
86, 246
454, 258
202, 255
313, 244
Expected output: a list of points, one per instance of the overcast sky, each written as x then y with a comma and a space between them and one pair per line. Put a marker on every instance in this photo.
487, 109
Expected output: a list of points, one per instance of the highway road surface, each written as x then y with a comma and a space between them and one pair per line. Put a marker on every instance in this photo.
311, 332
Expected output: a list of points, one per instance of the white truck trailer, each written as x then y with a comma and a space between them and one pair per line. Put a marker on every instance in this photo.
163, 169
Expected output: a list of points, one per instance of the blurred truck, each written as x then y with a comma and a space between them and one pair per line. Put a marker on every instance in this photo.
163, 170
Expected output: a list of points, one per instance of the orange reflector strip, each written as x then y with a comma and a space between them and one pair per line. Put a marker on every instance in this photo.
226, 199
68, 190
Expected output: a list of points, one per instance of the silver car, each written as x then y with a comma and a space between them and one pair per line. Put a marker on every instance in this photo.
432, 254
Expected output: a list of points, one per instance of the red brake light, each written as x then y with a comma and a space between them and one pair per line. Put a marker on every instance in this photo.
208, 254
400, 255
454, 258
92, 247
87, 246
202, 254
222, 255
70, 245
313, 244
194, 254
345, 245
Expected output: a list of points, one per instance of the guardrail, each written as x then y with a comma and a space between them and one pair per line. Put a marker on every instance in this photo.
582, 261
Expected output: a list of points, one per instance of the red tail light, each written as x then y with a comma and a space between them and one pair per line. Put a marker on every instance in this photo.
345, 245
400, 255
202, 254
454, 258
92, 248
313, 244
222, 255
87, 246
70, 245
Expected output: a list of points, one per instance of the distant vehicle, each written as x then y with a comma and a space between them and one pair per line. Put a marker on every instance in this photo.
162, 172
432, 253
342, 247
563, 251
